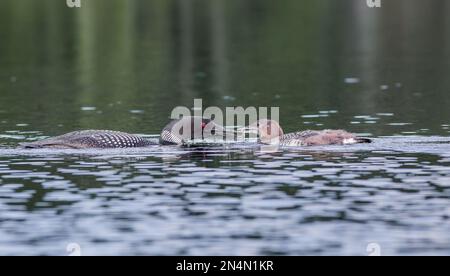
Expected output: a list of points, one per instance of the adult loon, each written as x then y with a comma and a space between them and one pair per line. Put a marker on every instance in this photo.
270, 132
174, 133
188, 128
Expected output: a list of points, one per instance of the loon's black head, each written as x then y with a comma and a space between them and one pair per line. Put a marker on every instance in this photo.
190, 128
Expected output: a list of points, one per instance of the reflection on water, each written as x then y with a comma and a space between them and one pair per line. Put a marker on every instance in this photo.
124, 64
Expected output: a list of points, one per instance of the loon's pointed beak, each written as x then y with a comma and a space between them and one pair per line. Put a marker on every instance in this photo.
247, 133
248, 130
215, 131
231, 134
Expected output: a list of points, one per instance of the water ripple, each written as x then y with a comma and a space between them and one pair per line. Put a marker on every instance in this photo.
331, 200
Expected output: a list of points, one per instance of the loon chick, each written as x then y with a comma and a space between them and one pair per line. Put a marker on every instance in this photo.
180, 131
270, 132
91, 139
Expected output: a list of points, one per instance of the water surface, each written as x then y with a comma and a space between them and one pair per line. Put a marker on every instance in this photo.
125, 64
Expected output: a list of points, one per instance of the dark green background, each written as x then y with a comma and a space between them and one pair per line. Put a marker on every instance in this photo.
150, 56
